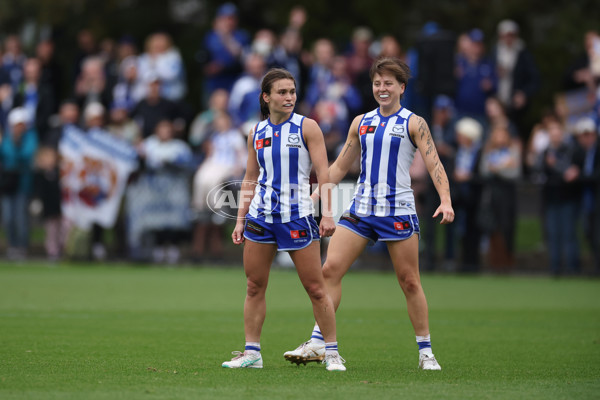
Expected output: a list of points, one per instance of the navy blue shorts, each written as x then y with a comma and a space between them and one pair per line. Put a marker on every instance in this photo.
399, 227
294, 235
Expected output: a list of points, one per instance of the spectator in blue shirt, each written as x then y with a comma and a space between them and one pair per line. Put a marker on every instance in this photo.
476, 77
223, 48
17, 152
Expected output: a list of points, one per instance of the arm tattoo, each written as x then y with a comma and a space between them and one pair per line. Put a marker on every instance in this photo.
347, 148
439, 174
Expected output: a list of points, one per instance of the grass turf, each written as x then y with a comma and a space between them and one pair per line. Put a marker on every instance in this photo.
95, 332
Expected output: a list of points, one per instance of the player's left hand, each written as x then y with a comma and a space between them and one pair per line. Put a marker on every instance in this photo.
327, 227
447, 213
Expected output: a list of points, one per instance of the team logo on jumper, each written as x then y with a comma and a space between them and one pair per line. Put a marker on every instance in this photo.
367, 129
398, 129
298, 234
400, 226
262, 143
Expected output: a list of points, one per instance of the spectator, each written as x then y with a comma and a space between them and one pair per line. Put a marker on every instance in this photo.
518, 77
579, 75
36, 97
162, 60
320, 72
243, 107
108, 54
500, 168
476, 77
95, 119
359, 58
562, 195
51, 74
226, 158
91, 85
48, 191
13, 61
466, 190
496, 116
263, 44
68, 115
203, 125
539, 141
335, 101
154, 108
298, 18
586, 132
17, 152
129, 90
86, 48
432, 62
223, 46
122, 126
287, 55
163, 153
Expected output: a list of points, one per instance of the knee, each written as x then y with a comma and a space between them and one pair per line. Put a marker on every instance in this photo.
255, 288
410, 284
330, 271
315, 291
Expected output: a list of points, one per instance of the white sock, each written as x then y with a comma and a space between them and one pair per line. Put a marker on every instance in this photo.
317, 336
424, 343
331, 348
252, 347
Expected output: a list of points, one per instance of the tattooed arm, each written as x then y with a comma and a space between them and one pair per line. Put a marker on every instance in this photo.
349, 153
419, 131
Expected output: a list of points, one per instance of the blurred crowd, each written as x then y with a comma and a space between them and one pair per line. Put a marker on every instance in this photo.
476, 93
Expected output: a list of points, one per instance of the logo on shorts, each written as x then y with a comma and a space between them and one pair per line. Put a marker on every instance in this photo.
262, 143
299, 234
367, 129
258, 230
350, 218
400, 226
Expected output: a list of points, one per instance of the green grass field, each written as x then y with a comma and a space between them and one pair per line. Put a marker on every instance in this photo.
122, 332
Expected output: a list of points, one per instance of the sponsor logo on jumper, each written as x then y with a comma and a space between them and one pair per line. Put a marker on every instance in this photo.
367, 129
262, 143
398, 129
293, 141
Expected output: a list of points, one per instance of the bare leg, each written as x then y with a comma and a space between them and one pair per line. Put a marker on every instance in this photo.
257, 264
405, 257
308, 265
344, 248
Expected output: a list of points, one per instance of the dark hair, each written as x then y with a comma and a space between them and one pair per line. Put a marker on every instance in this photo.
273, 75
393, 66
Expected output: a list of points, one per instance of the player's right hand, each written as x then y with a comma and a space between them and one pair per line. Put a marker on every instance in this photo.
238, 233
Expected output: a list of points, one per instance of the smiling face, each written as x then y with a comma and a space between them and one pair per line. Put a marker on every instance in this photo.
387, 90
282, 98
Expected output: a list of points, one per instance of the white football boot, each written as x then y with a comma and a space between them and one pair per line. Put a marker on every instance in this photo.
428, 363
334, 362
244, 360
306, 352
